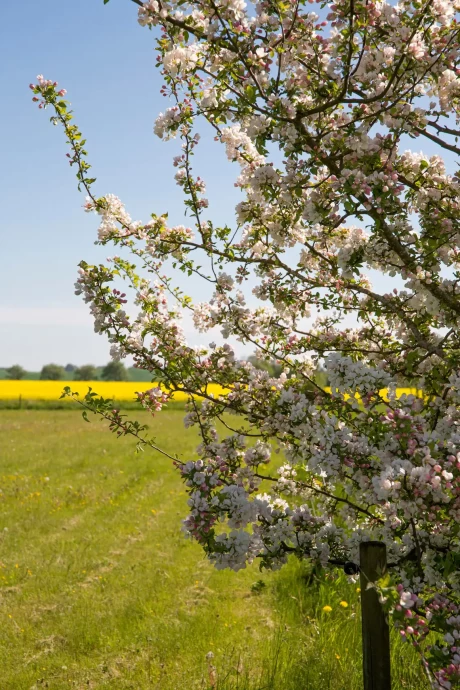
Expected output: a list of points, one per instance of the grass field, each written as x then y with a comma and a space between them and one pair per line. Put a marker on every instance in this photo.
100, 589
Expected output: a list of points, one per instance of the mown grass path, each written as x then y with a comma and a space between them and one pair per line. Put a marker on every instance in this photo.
100, 589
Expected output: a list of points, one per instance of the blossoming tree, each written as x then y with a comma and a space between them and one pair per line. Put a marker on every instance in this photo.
317, 109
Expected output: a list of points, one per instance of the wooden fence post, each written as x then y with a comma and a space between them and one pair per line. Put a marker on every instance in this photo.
376, 633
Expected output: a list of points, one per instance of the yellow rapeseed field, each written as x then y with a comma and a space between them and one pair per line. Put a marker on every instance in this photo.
384, 393
118, 390
52, 390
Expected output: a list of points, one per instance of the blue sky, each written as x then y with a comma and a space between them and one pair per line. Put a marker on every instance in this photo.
106, 61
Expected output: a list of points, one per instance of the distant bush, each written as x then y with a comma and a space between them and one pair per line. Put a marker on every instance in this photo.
87, 372
15, 372
52, 372
115, 371
272, 367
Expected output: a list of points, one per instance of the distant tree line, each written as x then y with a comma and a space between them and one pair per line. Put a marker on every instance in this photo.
116, 371
113, 371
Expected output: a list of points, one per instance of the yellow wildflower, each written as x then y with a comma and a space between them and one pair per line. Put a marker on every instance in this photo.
327, 609
344, 604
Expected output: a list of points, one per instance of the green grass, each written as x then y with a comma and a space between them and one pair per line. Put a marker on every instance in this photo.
100, 589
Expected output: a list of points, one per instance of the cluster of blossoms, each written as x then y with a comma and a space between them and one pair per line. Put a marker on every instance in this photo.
43, 85
315, 109
153, 399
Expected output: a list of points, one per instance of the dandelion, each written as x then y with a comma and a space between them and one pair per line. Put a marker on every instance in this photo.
344, 604
327, 609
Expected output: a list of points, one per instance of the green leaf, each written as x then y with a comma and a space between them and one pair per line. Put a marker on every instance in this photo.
251, 93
